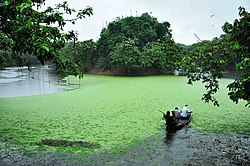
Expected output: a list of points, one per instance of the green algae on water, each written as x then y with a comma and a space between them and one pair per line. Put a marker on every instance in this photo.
114, 111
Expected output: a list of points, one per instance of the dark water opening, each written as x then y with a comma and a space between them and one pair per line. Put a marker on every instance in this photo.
16, 81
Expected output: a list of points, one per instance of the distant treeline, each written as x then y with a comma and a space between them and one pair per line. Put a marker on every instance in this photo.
137, 42
6, 60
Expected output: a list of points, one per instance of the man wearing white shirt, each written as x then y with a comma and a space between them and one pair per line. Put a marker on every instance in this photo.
184, 112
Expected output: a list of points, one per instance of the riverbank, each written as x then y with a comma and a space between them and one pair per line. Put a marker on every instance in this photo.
219, 149
133, 71
187, 147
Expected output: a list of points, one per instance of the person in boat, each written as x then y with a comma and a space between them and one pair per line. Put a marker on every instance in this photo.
170, 120
177, 114
184, 112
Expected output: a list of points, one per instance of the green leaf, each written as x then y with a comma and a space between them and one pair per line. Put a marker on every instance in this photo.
46, 48
238, 66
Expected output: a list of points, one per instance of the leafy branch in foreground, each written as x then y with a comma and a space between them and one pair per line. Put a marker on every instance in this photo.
206, 63
208, 59
24, 29
239, 32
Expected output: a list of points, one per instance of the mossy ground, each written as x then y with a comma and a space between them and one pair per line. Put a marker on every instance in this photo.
113, 112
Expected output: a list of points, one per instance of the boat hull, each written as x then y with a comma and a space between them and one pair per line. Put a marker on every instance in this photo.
180, 124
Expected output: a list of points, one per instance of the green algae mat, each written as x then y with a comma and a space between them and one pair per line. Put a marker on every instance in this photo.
108, 112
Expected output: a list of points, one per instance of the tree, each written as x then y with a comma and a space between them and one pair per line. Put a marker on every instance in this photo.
125, 54
26, 29
207, 60
82, 53
130, 33
161, 55
4, 58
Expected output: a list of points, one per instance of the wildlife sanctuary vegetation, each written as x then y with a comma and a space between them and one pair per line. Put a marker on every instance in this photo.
106, 113
143, 43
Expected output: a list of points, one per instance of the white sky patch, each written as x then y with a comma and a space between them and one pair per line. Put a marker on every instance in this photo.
185, 16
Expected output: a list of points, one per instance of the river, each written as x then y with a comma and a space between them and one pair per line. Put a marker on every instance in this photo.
19, 81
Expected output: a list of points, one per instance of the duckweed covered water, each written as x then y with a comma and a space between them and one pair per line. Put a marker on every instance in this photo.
114, 111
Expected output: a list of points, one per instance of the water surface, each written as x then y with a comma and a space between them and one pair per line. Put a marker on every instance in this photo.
16, 81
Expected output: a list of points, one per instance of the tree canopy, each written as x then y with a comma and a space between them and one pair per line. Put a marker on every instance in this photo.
25, 29
82, 53
136, 41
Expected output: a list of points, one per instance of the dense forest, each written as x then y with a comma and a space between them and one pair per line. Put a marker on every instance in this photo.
131, 42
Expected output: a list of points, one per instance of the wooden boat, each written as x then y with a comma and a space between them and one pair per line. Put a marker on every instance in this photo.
180, 124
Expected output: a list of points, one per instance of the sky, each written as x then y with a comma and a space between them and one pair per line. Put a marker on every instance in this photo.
187, 17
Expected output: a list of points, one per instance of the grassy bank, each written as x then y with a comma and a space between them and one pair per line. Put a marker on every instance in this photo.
114, 111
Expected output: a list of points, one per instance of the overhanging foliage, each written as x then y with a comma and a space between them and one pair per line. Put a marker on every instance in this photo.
24, 28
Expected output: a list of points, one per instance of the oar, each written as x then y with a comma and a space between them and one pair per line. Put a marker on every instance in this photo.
162, 112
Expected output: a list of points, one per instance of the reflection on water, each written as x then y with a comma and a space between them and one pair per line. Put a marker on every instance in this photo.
169, 137
16, 81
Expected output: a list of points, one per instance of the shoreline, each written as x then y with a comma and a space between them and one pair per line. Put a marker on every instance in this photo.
185, 147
